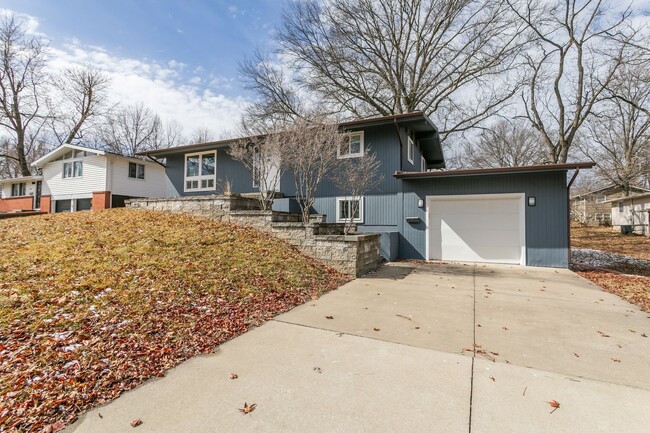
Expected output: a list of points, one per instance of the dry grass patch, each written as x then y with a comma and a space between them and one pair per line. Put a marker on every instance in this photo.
605, 239
635, 290
95, 303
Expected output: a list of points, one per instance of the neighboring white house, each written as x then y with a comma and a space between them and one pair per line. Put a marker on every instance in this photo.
20, 194
78, 178
634, 211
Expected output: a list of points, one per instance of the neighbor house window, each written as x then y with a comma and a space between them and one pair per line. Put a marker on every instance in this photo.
347, 207
620, 206
17, 189
352, 145
423, 163
599, 217
200, 171
136, 171
410, 149
73, 169
601, 198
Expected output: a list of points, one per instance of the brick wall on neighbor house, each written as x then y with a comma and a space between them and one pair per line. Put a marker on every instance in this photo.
101, 200
354, 254
46, 203
16, 203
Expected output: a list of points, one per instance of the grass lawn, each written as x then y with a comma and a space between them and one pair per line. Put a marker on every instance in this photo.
605, 239
635, 289
95, 303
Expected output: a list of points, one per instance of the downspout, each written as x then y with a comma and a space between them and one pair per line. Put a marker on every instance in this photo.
568, 216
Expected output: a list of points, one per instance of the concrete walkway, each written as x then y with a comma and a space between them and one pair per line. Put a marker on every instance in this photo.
417, 348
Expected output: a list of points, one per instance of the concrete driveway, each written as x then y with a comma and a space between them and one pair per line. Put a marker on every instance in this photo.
417, 348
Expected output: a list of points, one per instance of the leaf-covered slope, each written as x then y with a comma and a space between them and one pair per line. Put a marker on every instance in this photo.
95, 303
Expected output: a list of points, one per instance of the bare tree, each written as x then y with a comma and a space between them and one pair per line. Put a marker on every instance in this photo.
310, 155
504, 144
264, 157
576, 53
132, 129
202, 135
619, 132
381, 57
357, 177
81, 98
22, 78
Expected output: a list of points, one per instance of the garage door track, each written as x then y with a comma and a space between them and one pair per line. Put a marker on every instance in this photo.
417, 348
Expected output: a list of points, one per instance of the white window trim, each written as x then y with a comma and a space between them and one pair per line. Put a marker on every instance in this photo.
199, 178
423, 164
349, 198
361, 147
410, 150
72, 161
11, 190
144, 171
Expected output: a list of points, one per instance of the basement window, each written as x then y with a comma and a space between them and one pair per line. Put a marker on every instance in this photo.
347, 207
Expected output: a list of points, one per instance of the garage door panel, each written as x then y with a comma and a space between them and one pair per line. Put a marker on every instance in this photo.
485, 253
481, 237
481, 206
478, 229
460, 222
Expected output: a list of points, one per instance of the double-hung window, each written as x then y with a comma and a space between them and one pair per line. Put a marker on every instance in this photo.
73, 169
18, 189
410, 149
601, 198
352, 145
136, 171
201, 171
349, 207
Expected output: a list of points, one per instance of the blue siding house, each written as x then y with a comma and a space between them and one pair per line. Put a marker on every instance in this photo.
516, 215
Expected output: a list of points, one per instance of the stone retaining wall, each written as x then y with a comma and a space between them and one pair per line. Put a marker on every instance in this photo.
354, 254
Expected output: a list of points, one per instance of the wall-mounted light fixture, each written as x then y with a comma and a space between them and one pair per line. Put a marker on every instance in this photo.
532, 201
420, 203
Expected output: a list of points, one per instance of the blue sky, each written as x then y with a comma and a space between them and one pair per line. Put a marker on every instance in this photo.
168, 48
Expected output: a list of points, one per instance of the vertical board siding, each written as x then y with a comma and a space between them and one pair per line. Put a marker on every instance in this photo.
546, 223
228, 169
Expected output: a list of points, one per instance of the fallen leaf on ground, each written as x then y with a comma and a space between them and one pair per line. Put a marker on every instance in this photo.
493, 379
616, 360
233, 376
248, 409
505, 328
329, 317
554, 404
136, 422
376, 329
317, 370
602, 334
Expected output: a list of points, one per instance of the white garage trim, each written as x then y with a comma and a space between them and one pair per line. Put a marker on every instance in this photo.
522, 215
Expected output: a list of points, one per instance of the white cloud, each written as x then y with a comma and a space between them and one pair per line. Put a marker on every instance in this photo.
161, 86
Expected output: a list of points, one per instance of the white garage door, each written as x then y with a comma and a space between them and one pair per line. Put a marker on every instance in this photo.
477, 228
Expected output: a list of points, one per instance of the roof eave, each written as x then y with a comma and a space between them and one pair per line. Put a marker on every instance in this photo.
500, 170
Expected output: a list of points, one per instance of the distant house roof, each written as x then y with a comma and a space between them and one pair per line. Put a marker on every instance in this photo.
426, 133
20, 179
630, 198
596, 191
62, 149
499, 170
